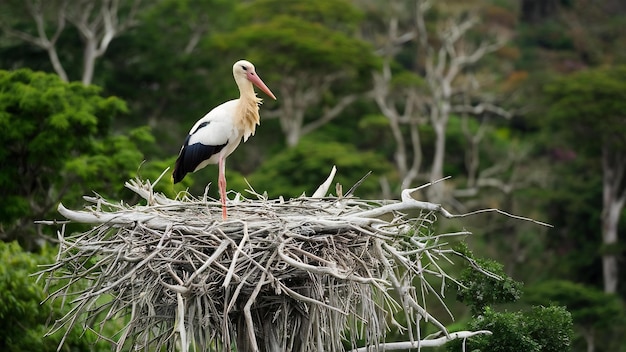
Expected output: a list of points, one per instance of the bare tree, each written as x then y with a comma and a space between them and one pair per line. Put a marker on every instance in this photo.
42, 39
398, 104
97, 21
298, 94
613, 200
446, 58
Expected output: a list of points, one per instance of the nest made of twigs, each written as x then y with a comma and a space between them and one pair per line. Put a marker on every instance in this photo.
307, 274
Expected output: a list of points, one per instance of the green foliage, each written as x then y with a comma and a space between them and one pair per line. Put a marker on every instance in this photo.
567, 35
480, 290
374, 121
109, 157
22, 316
196, 12
159, 69
542, 329
286, 45
407, 79
550, 327
307, 165
509, 333
38, 112
19, 296
335, 14
305, 40
589, 104
590, 307
582, 123
57, 144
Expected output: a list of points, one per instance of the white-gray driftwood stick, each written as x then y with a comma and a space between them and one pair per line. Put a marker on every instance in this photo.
405, 345
322, 190
218, 251
233, 264
333, 271
247, 312
180, 317
102, 217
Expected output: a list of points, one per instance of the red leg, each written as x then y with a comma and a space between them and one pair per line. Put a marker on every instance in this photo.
222, 185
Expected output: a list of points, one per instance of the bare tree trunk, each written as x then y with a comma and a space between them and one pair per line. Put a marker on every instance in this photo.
613, 199
56, 63
399, 110
589, 339
297, 98
99, 31
381, 91
293, 136
291, 113
89, 61
435, 192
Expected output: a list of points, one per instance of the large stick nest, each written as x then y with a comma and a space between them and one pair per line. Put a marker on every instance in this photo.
307, 274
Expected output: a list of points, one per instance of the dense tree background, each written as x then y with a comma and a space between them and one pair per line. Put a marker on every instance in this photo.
527, 126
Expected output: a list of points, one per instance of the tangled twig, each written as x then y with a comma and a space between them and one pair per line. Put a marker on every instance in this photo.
306, 274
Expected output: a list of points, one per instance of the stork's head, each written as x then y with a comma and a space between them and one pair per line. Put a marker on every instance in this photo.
244, 70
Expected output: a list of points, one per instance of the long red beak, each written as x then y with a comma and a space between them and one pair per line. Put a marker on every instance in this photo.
256, 80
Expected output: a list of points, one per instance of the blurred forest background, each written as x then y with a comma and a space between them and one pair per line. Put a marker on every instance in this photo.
521, 102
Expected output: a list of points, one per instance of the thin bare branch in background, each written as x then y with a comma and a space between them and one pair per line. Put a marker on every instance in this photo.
98, 23
43, 39
98, 26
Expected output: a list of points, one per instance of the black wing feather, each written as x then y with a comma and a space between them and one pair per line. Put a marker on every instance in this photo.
191, 156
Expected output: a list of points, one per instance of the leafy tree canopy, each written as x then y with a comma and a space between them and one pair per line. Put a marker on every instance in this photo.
589, 306
335, 14
300, 36
542, 329
588, 106
57, 143
22, 315
480, 290
598, 315
286, 45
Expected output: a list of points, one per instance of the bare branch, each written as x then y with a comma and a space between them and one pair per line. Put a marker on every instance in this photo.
483, 49
456, 30
26, 37
330, 114
436, 342
98, 27
49, 44
196, 34
481, 108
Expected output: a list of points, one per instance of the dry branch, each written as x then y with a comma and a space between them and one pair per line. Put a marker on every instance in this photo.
307, 274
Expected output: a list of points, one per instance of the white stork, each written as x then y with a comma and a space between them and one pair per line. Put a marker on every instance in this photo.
220, 131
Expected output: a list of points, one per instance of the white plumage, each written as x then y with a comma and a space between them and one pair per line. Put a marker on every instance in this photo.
216, 135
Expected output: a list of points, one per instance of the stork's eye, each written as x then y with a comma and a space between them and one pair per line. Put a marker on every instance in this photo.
244, 68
